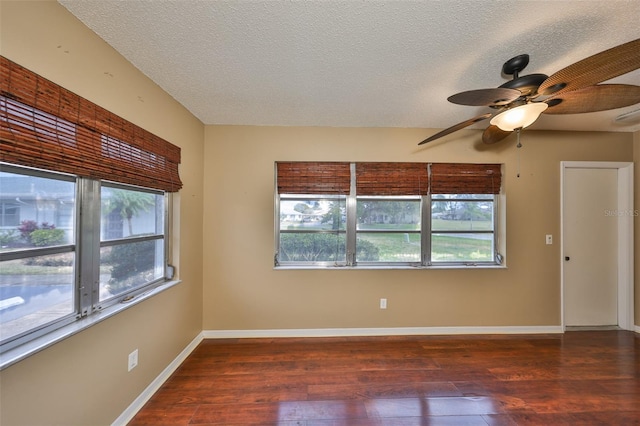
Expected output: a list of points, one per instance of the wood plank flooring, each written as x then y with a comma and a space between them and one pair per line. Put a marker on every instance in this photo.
577, 378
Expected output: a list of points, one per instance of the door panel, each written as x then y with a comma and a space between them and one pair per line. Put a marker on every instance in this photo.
590, 230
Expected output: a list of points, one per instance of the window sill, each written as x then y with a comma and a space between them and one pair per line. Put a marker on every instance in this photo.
21, 352
384, 267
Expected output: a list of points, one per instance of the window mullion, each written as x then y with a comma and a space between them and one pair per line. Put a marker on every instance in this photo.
425, 229
352, 219
88, 283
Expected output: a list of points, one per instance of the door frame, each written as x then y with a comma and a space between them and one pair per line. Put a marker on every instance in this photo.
626, 215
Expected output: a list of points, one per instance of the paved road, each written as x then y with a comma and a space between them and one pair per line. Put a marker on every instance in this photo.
31, 298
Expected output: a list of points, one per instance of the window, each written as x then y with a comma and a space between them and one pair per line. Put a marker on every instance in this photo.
48, 277
464, 216
311, 212
38, 254
131, 239
462, 228
312, 229
83, 207
387, 214
388, 229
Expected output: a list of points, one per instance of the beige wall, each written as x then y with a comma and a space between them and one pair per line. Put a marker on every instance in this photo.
243, 291
636, 223
83, 380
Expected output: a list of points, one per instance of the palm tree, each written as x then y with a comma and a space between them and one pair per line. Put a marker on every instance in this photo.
128, 203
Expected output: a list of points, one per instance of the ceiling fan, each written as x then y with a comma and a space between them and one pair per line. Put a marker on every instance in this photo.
573, 90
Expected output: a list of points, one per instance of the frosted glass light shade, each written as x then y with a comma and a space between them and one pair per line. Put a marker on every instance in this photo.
519, 117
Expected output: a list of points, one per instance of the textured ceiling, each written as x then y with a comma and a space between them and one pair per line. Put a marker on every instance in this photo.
355, 63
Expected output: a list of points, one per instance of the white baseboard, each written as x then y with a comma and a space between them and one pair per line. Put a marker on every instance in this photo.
637, 328
399, 331
153, 387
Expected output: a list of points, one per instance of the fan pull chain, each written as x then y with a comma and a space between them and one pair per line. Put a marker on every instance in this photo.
519, 145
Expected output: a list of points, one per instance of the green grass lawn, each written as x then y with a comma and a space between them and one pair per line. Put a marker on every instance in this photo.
406, 247
395, 247
460, 249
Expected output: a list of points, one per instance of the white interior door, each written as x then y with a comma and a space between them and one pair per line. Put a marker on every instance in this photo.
590, 243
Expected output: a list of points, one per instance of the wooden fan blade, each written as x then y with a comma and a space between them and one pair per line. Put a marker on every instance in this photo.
601, 97
594, 69
456, 127
485, 97
493, 134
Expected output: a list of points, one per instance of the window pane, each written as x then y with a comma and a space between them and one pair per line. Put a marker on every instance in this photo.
9, 214
462, 248
462, 215
36, 211
388, 247
378, 216
35, 291
314, 214
312, 247
128, 213
388, 215
124, 267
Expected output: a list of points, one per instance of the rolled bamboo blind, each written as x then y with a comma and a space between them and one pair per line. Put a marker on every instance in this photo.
392, 179
382, 178
461, 178
45, 126
313, 178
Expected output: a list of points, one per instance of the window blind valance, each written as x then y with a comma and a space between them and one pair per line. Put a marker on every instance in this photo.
388, 179
461, 178
313, 178
391, 179
43, 125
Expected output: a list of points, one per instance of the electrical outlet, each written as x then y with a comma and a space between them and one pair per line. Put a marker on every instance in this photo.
383, 303
549, 239
133, 360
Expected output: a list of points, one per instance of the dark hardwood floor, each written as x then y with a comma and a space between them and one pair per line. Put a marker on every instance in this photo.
577, 378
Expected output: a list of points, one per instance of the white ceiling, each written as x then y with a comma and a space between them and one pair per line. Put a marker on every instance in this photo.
356, 63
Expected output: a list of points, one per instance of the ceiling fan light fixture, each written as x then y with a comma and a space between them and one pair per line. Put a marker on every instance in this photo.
519, 117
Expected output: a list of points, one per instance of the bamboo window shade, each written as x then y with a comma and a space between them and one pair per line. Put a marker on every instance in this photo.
460, 178
313, 178
45, 126
392, 179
